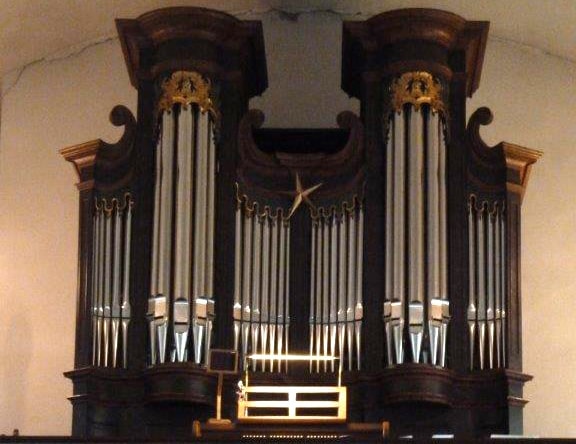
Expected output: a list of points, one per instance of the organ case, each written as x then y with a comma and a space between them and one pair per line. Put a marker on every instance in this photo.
386, 251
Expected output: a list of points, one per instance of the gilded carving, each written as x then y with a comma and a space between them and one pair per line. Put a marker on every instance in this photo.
186, 87
114, 204
417, 88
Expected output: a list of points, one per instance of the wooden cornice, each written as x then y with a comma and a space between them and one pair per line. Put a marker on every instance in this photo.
369, 46
519, 161
108, 164
83, 157
214, 43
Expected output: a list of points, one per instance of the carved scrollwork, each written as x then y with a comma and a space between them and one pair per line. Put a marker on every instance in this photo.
114, 161
270, 176
487, 164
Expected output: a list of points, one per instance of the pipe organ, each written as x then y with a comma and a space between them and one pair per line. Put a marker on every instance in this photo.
383, 254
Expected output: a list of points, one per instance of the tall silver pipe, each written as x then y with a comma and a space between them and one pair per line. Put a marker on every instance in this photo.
326, 285
433, 239
416, 237
157, 199
237, 308
273, 317
359, 309
101, 286
352, 279
256, 284
397, 308
265, 294
481, 227
504, 284
491, 290
115, 308
211, 219
165, 239
342, 285
333, 296
107, 285
319, 287
443, 213
313, 294
281, 287
287, 293
126, 308
95, 282
472, 270
201, 200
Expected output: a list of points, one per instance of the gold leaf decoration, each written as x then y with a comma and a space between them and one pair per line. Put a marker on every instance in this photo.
417, 88
186, 87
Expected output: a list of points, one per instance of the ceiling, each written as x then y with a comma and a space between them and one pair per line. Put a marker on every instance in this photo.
31, 30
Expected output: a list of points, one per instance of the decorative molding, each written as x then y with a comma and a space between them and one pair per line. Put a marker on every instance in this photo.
519, 161
83, 157
266, 176
417, 88
367, 46
96, 160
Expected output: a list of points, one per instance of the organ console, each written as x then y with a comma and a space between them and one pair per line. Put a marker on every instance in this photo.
384, 255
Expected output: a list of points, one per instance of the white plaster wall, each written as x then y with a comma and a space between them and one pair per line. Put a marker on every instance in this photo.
64, 102
53, 105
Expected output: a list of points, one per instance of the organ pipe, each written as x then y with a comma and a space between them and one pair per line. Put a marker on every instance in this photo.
336, 309
181, 287
261, 289
110, 281
487, 283
416, 302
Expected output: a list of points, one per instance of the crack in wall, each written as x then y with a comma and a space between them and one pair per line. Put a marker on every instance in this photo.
65, 54
287, 14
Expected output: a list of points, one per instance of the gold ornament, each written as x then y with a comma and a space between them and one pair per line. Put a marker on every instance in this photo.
417, 88
300, 195
186, 87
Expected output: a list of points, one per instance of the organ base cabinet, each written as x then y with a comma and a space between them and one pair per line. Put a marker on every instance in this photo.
363, 275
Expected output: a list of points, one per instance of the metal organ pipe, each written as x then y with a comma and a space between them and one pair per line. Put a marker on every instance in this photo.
487, 289
336, 286
110, 281
415, 257
183, 236
472, 296
415, 224
261, 288
126, 311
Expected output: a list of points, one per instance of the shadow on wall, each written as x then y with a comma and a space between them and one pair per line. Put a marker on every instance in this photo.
18, 352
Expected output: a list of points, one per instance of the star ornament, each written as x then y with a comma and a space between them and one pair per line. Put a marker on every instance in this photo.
301, 195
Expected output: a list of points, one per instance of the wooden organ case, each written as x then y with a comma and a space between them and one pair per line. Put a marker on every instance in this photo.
387, 251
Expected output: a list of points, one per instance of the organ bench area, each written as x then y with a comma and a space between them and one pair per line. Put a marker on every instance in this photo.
379, 260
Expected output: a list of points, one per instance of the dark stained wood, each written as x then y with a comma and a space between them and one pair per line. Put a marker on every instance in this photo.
373, 337
412, 39
457, 157
214, 43
266, 176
